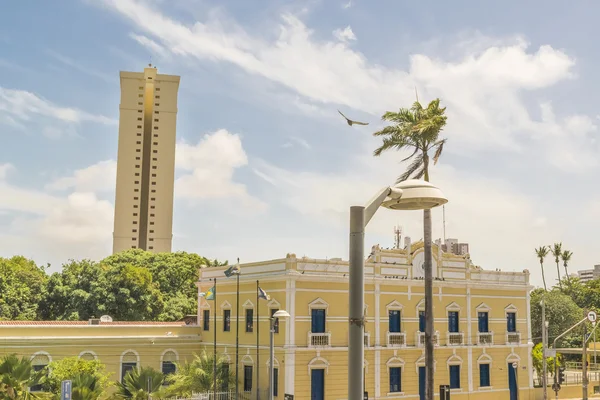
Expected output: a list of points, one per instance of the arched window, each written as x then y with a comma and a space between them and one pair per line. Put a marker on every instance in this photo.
88, 355
485, 365
130, 360
39, 361
168, 362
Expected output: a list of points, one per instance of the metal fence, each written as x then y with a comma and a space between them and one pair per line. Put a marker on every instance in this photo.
230, 395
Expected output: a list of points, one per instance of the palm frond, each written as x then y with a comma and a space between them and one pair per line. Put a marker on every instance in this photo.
414, 166
439, 147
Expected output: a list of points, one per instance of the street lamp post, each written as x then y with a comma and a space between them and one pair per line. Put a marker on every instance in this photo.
408, 195
276, 315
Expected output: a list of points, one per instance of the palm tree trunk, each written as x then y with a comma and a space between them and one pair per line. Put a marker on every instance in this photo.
558, 272
429, 361
543, 276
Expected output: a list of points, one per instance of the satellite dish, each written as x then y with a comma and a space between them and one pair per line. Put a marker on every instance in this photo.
106, 318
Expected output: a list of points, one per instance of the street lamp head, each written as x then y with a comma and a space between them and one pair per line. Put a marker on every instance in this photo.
281, 314
416, 194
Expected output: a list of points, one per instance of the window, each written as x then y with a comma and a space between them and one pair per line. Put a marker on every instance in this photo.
155, 143
156, 127
154, 183
158, 97
206, 320
137, 182
140, 118
126, 367
133, 247
317, 320
226, 320
135, 206
152, 198
154, 167
139, 134
151, 239
140, 95
453, 321
136, 190
135, 222
152, 206
422, 321
129, 361
157, 104
137, 174
394, 323
511, 322
138, 142
484, 375
150, 247
39, 363
317, 384
138, 158
151, 222
153, 191
275, 381
152, 215
140, 104
155, 112
154, 175
136, 198
134, 230
455, 377
151, 230
249, 320
225, 372
482, 325
138, 166
141, 88
138, 150
139, 127
395, 379
155, 119
247, 378
168, 367
158, 89
133, 239
155, 151
276, 322
154, 159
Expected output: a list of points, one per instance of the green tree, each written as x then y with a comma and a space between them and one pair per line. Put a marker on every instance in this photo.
197, 376
22, 283
140, 384
556, 250
418, 129
536, 354
86, 387
541, 254
16, 377
71, 367
566, 257
561, 312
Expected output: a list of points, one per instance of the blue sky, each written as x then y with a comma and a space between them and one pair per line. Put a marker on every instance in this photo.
265, 166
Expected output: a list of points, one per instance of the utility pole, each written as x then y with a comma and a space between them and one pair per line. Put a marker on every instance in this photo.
544, 347
584, 379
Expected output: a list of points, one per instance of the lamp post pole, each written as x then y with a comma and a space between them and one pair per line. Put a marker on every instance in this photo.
271, 357
407, 195
544, 346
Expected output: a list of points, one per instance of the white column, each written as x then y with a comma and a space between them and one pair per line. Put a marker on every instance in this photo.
377, 341
529, 342
470, 340
290, 335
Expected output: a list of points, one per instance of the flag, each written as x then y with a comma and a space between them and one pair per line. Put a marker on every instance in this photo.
233, 270
210, 295
263, 295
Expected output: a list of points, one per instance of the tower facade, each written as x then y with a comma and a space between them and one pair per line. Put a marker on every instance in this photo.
146, 161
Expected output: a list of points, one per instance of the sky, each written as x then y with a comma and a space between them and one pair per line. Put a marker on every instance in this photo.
265, 164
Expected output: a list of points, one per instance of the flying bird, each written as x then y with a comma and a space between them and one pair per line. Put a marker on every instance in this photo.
350, 122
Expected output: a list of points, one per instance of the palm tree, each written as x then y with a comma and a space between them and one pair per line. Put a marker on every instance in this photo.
566, 257
197, 376
140, 384
85, 387
541, 253
556, 250
16, 377
418, 129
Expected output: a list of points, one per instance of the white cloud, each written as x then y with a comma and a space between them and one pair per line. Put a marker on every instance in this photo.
482, 90
347, 5
20, 107
297, 140
345, 34
212, 162
150, 44
81, 68
99, 177
5, 169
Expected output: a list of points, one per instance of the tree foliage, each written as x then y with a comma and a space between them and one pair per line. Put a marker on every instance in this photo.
537, 361
131, 285
197, 376
21, 284
85, 372
561, 312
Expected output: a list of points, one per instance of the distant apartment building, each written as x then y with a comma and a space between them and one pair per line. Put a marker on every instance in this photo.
586, 275
146, 161
452, 246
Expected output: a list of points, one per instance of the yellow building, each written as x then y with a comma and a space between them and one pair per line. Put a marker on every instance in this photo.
146, 161
120, 346
481, 324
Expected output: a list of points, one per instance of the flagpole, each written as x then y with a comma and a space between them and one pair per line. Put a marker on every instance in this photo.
237, 336
215, 342
257, 343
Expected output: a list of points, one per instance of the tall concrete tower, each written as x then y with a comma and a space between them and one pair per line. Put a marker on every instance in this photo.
146, 161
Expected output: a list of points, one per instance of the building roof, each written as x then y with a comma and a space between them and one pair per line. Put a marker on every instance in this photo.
83, 323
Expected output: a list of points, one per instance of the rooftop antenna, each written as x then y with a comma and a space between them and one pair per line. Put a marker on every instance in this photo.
397, 236
444, 221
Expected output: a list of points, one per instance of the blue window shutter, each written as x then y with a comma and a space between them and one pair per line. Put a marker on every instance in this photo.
484, 375
483, 321
421, 321
394, 321
318, 321
511, 322
452, 321
455, 377
317, 384
395, 380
